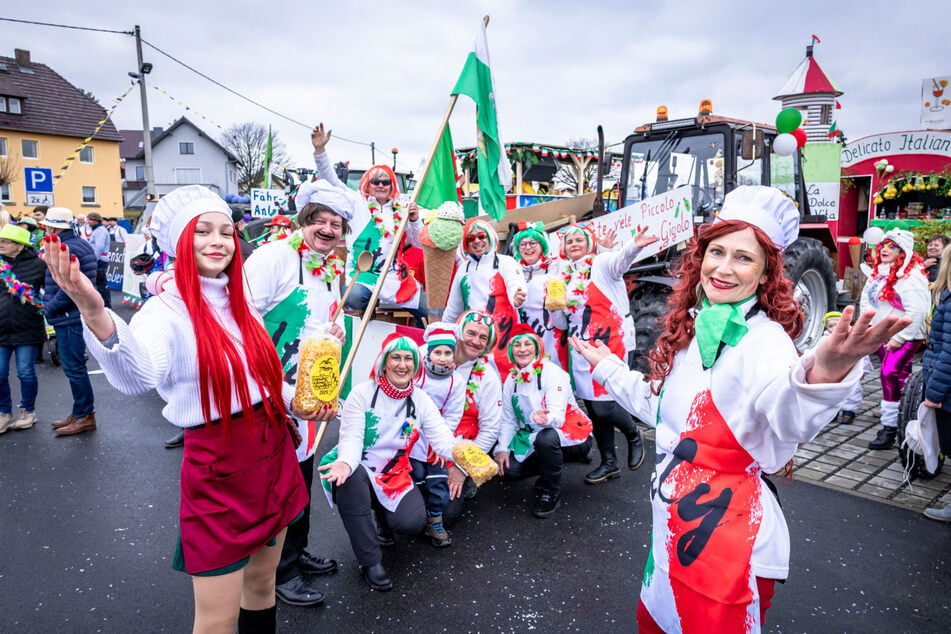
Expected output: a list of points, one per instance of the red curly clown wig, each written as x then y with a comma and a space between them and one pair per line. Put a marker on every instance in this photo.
897, 270
774, 296
221, 365
375, 172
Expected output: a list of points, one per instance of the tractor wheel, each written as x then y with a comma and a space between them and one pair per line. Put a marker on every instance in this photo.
809, 267
648, 308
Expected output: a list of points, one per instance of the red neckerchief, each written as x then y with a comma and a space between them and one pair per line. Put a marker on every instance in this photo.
391, 390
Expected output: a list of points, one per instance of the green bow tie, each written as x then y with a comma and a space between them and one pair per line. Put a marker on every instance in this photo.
719, 322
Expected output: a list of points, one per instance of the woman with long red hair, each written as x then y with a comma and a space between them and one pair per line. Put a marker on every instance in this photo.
731, 400
897, 284
202, 346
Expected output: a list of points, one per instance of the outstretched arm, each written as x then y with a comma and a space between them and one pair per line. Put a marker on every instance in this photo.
846, 345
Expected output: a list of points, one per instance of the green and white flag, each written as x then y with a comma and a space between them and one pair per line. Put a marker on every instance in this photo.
439, 183
495, 172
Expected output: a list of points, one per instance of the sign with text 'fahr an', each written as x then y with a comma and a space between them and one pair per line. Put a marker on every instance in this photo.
39, 185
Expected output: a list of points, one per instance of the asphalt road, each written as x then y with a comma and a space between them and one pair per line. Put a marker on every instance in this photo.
89, 525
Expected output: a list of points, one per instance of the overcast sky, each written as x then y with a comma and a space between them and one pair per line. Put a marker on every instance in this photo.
382, 71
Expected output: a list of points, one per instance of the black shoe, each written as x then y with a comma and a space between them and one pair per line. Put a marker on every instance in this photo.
546, 504
385, 536
299, 591
885, 439
310, 565
376, 577
607, 471
635, 450
469, 489
846, 417
178, 440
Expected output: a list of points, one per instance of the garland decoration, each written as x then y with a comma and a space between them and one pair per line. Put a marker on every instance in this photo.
576, 293
328, 268
23, 292
526, 374
377, 215
477, 372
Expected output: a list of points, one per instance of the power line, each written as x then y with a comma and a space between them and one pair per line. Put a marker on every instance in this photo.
237, 94
67, 26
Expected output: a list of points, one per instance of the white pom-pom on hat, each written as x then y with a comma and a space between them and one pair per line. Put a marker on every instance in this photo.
766, 208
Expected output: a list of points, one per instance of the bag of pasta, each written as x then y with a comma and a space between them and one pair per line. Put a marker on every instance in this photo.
318, 374
468, 457
555, 294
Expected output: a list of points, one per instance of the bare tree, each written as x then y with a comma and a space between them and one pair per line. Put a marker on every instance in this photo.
567, 174
248, 141
9, 168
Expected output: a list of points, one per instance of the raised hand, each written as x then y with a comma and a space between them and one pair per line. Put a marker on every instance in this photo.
64, 267
319, 138
608, 240
846, 345
594, 352
642, 240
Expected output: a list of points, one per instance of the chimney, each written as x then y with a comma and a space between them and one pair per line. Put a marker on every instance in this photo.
22, 57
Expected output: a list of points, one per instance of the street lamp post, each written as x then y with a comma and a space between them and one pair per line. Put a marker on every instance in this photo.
395, 151
143, 69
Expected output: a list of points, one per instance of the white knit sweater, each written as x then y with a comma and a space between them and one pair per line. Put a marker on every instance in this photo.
157, 350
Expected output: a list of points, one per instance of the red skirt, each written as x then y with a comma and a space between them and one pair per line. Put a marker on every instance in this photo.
239, 490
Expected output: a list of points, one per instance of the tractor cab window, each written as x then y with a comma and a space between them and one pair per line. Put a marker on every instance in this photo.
671, 161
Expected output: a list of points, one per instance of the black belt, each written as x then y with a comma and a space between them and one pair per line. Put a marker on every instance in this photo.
234, 416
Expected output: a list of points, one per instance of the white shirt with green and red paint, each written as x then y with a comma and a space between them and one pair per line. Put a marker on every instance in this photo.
716, 526
598, 309
482, 409
381, 438
489, 285
548, 390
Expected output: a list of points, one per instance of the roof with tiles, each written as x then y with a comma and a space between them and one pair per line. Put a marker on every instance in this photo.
50, 104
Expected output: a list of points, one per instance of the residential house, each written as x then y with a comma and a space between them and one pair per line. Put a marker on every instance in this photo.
181, 155
43, 121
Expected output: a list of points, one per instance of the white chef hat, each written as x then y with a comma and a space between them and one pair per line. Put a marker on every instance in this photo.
324, 193
179, 207
767, 208
906, 242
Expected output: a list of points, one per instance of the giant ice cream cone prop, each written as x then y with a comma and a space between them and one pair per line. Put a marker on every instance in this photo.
855, 251
440, 236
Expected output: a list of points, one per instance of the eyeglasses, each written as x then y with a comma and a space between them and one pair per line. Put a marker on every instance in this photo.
380, 182
478, 236
528, 242
480, 318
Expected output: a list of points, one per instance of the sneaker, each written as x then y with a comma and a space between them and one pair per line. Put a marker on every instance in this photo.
6, 421
26, 420
942, 515
546, 504
437, 533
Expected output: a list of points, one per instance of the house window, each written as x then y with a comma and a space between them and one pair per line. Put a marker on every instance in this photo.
140, 172
826, 115
30, 149
187, 176
85, 155
186, 147
3, 146
89, 195
14, 106
5, 193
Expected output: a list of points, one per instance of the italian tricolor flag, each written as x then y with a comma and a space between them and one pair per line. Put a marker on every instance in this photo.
495, 173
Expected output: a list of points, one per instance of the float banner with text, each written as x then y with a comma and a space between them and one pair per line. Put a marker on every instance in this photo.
668, 216
267, 203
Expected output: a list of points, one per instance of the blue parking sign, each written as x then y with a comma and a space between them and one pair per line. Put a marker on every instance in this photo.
39, 180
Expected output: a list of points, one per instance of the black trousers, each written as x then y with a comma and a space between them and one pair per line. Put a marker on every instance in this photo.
547, 460
101, 284
605, 417
295, 542
356, 503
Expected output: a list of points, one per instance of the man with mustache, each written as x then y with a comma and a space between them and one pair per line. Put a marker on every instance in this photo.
295, 286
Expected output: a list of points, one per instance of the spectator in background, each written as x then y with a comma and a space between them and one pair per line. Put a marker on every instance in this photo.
4, 217
935, 245
116, 231
36, 232
63, 316
22, 330
39, 214
279, 228
99, 239
82, 227
246, 248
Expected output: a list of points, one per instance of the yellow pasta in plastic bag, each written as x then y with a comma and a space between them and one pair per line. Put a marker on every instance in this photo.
555, 294
318, 374
480, 467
